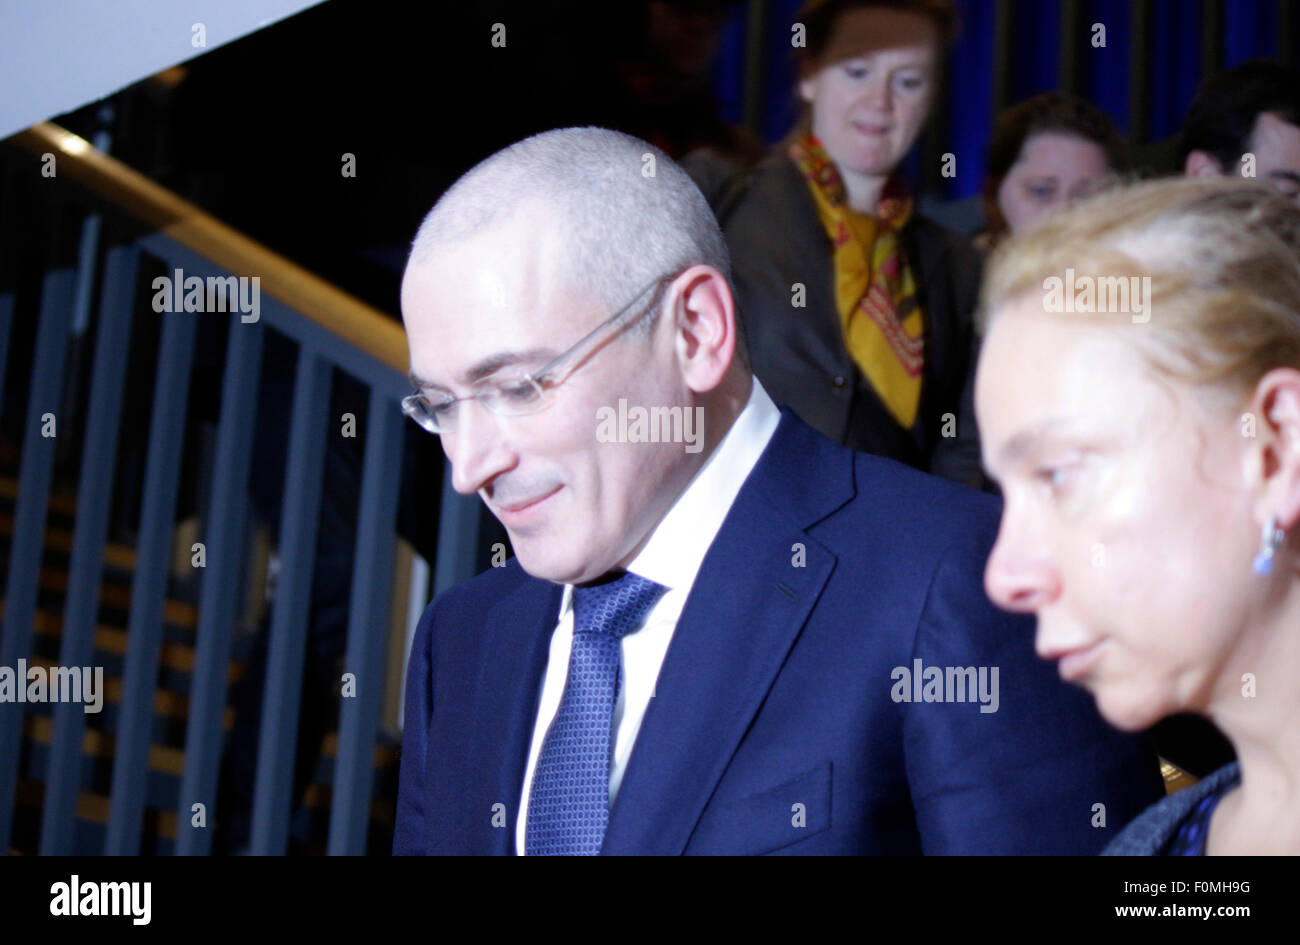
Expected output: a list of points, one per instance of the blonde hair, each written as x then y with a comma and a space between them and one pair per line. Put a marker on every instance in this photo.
1223, 257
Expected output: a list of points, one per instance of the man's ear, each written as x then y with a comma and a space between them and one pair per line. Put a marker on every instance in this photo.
1273, 460
1202, 164
704, 326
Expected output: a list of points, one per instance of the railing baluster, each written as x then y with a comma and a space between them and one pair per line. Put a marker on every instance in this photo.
354, 772
6, 330
458, 528
223, 540
332, 331
297, 550
94, 494
36, 468
149, 587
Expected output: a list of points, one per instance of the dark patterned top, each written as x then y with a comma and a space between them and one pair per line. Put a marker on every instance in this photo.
1189, 840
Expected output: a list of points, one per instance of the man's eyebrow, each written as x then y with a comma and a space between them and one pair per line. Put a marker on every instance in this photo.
488, 366
419, 383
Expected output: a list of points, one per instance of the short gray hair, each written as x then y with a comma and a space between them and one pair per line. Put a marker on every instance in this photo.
626, 210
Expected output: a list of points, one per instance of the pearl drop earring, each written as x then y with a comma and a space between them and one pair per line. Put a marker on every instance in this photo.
1270, 540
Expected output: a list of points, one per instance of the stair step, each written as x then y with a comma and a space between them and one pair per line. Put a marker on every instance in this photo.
170, 698
40, 729
60, 502
174, 656
94, 808
60, 539
118, 598
166, 704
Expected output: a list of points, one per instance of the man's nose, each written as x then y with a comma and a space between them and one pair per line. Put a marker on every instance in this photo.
477, 449
1019, 576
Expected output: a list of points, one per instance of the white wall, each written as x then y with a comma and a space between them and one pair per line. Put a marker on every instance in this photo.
57, 55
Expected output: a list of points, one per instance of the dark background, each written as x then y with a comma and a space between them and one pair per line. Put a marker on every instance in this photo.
256, 130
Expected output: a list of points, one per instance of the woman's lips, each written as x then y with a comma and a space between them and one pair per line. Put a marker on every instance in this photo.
874, 131
1078, 662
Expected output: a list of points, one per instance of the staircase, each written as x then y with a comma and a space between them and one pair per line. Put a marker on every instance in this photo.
309, 833
92, 574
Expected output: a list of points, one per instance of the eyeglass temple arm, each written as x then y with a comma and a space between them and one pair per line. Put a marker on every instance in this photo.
558, 370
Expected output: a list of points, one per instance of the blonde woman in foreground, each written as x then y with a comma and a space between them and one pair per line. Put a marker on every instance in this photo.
1138, 398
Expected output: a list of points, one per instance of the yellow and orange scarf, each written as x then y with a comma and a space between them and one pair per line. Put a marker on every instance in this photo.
875, 291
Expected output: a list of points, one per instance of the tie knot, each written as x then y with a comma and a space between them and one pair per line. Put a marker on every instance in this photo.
615, 606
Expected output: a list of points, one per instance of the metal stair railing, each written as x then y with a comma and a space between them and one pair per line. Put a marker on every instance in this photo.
331, 329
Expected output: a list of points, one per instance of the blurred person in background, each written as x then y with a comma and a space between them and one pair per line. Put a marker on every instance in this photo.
1148, 450
1246, 121
659, 85
1047, 152
857, 307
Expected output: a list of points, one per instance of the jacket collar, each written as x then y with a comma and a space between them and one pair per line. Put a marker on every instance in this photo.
745, 610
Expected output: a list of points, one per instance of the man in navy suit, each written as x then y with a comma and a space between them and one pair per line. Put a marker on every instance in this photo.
722, 632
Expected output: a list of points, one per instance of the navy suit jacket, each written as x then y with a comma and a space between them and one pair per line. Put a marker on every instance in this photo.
774, 726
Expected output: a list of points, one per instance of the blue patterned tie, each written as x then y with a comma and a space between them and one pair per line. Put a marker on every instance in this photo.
568, 807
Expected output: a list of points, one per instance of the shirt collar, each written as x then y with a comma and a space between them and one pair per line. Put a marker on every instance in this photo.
676, 548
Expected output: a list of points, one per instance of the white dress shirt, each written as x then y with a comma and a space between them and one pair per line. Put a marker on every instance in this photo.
671, 557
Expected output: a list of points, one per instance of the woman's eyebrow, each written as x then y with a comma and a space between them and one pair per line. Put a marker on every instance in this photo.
1023, 443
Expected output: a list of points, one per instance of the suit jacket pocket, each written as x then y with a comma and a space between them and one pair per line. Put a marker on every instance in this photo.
768, 820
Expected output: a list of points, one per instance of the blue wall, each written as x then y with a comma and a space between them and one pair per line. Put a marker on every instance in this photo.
1173, 66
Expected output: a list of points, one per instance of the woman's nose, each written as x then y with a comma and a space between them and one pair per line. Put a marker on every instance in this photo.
1018, 579
877, 93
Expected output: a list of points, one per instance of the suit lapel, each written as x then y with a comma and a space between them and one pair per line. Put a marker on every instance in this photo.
505, 705
745, 610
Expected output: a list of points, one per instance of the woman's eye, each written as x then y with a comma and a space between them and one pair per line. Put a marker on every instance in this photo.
911, 83
1042, 192
1054, 477
855, 72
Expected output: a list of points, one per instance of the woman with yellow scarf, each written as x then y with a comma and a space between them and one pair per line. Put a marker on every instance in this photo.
858, 309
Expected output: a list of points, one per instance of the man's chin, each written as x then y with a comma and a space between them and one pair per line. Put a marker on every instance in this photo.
542, 563
546, 564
